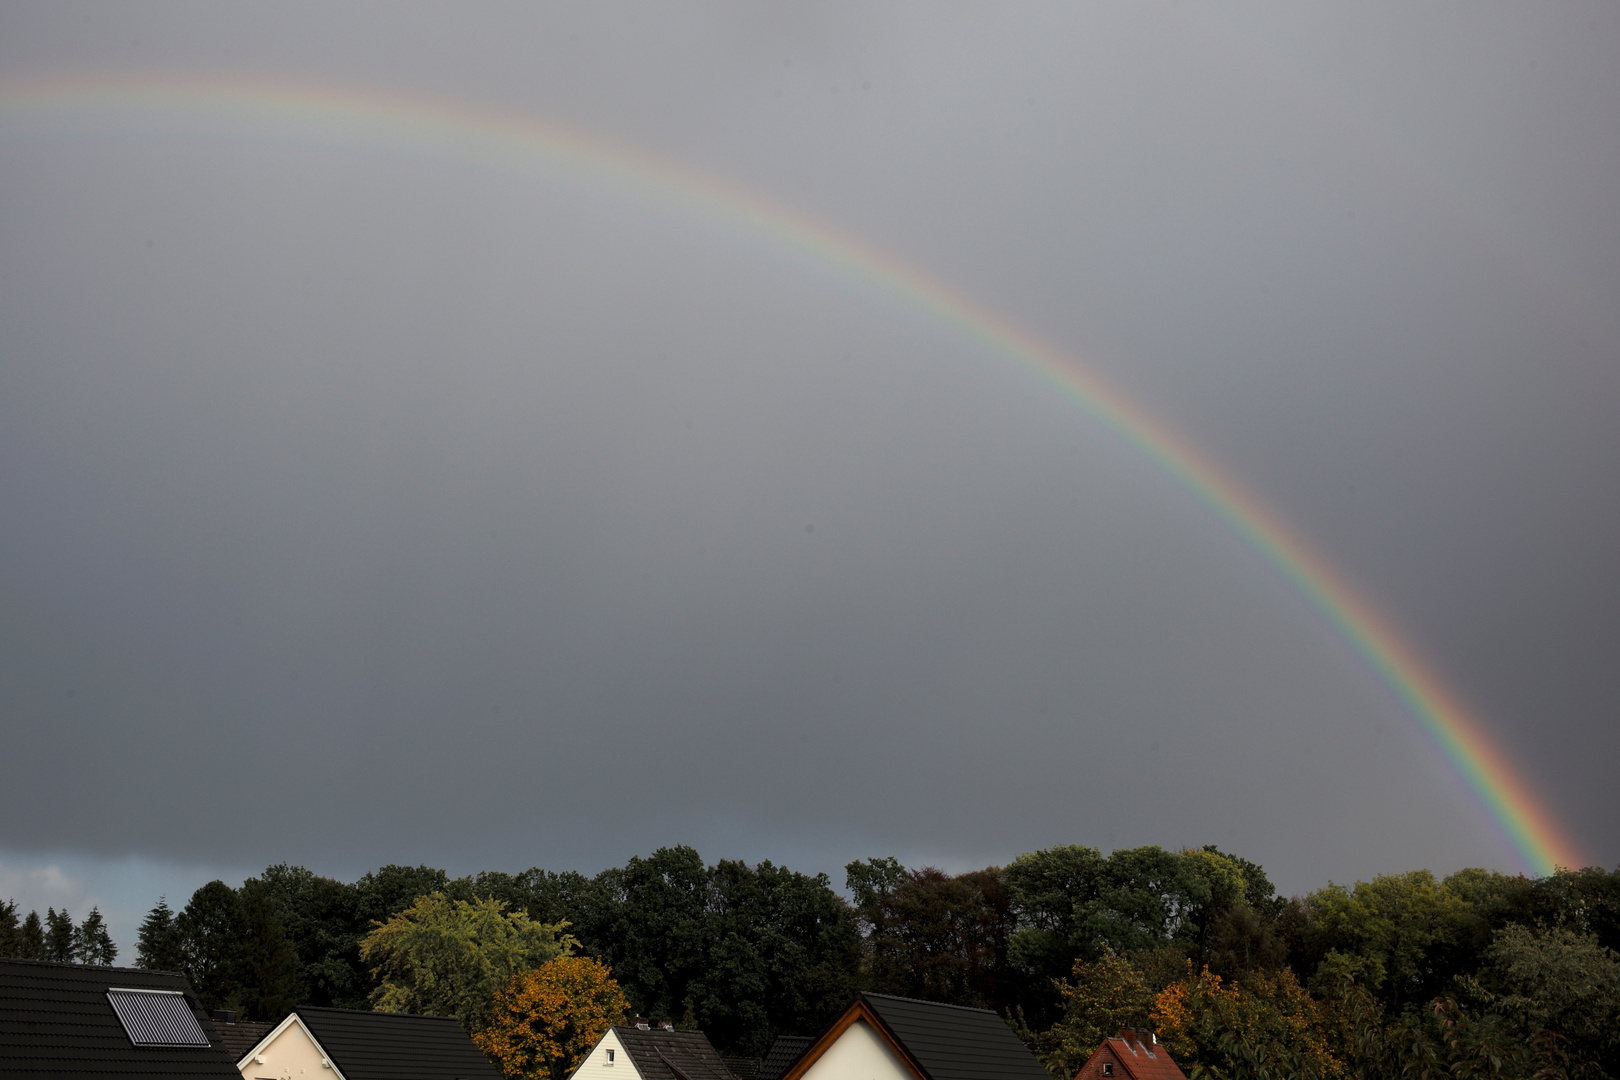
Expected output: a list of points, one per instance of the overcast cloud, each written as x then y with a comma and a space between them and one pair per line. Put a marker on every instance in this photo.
363, 507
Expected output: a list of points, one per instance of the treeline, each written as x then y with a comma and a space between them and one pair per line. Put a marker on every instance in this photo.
55, 937
1480, 973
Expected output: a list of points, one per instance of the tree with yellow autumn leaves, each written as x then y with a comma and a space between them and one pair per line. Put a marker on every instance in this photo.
543, 1022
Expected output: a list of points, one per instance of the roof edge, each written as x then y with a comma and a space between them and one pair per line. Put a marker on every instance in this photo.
275, 1033
858, 1010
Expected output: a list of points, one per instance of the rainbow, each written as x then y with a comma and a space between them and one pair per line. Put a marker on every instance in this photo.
149, 105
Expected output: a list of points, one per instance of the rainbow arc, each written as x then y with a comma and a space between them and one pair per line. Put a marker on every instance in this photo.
148, 105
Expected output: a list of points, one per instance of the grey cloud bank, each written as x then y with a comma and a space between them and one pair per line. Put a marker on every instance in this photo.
366, 507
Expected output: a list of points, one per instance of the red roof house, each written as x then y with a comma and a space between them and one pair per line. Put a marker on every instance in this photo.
1131, 1055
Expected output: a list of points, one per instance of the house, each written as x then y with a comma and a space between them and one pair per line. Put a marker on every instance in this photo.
60, 1020
643, 1051
1131, 1055
894, 1038
347, 1044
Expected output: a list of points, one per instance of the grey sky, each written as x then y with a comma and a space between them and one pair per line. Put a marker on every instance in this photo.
363, 507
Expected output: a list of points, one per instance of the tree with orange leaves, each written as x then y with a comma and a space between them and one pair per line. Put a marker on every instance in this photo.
543, 1022
1264, 1024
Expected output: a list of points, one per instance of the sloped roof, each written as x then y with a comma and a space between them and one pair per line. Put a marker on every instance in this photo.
952, 1042
659, 1054
935, 1041
56, 1021
240, 1036
386, 1046
783, 1052
1138, 1058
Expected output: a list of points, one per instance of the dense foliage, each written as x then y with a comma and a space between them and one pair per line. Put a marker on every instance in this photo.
55, 937
543, 1022
444, 957
1476, 974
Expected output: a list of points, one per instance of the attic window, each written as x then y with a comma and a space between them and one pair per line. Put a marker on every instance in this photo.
610, 1055
1108, 1068
157, 1017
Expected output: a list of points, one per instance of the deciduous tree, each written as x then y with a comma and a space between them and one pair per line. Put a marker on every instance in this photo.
543, 1022
448, 957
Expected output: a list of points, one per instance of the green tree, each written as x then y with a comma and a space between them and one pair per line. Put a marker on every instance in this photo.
92, 944
321, 920
10, 929
448, 957
157, 942
31, 938
266, 973
58, 935
942, 938
782, 955
1387, 932
211, 930
1050, 891
1098, 999
1559, 981
648, 921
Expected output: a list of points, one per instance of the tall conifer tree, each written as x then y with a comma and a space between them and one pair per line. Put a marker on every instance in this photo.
10, 930
157, 944
92, 944
33, 938
58, 935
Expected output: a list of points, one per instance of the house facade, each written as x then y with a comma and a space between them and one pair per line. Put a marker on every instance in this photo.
645, 1051
880, 1037
346, 1044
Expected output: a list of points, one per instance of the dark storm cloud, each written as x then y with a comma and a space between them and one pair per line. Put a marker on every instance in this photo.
363, 509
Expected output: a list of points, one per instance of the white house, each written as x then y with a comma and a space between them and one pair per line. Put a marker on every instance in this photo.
893, 1038
345, 1044
643, 1051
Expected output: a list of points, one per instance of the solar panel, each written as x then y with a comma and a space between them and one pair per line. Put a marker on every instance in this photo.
157, 1017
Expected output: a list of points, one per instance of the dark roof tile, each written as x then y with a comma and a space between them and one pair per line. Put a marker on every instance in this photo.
952, 1042
386, 1046
56, 1021
660, 1054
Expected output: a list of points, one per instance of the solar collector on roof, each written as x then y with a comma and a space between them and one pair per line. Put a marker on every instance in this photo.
156, 1017
58, 1020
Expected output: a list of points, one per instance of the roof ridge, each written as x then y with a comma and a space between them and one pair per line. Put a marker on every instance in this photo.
368, 1012
925, 1001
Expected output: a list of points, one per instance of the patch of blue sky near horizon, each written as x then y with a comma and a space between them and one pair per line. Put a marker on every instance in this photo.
123, 887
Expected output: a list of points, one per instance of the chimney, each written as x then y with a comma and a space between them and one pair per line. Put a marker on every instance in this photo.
641, 1023
666, 1024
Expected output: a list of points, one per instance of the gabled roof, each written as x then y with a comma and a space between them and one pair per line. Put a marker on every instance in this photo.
56, 1021
661, 1054
386, 1046
1138, 1058
783, 1052
935, 1040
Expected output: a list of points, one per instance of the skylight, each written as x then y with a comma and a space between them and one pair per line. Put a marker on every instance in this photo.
157, 1017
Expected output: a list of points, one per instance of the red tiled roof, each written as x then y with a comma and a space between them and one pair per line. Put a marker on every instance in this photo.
1135, 1055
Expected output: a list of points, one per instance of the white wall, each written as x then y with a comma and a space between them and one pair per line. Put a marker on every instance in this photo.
859, 1054
596, 1065
290, 1056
